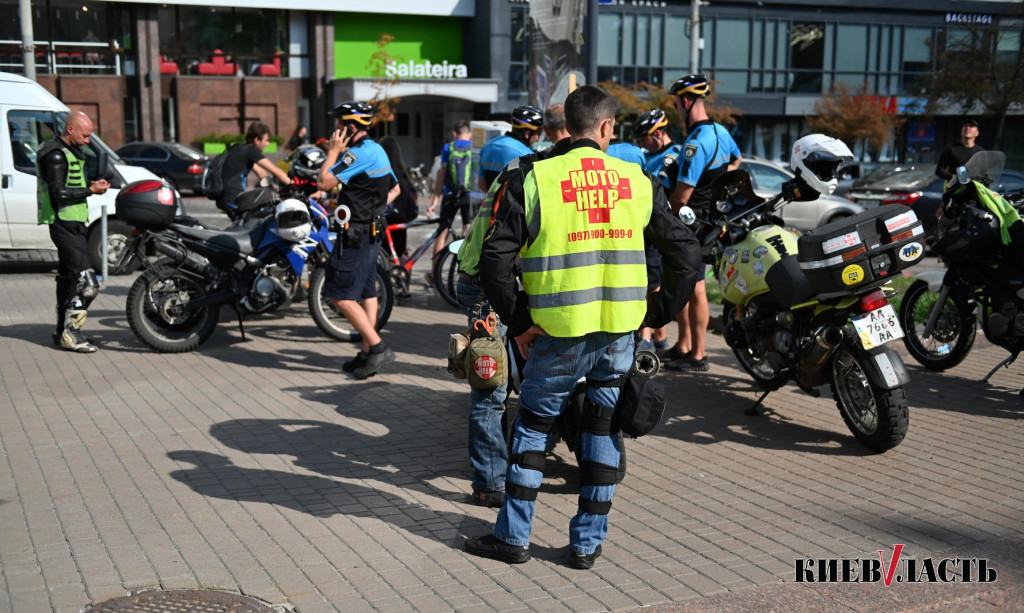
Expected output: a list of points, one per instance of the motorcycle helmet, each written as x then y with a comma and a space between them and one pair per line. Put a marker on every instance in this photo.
293, 221
306, 162
358, 113
648, 122
696, 85
816, 159
527, 117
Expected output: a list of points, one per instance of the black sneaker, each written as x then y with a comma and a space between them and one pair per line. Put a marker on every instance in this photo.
357, 362
583, 561
689, 364
670, 354
488, 546
490, 500
380, 354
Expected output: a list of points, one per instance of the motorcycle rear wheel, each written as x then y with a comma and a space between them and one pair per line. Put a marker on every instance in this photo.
954, 332
877, 417
158, 313
330, 320
756, 366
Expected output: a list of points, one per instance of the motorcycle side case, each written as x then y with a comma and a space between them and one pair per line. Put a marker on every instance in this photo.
147, 204
861, 252
743, 266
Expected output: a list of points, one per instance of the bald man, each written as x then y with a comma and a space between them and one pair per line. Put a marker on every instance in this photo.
62, 192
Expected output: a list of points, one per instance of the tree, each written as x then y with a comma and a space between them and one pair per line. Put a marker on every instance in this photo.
643, 96
979, 67
378, 64
853, 117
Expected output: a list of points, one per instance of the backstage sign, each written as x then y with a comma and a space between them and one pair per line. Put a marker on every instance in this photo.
896, 568
968, 18
426, 70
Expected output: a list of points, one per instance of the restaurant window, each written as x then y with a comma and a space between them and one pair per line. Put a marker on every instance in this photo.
806, 56
225, 41
70, 37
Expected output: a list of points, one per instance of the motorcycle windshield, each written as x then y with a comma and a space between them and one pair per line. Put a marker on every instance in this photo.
986, 166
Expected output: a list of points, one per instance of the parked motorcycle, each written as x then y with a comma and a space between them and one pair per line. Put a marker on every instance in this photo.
980, 238
813, 309
174, 305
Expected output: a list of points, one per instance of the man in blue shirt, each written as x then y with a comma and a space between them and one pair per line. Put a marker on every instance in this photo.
526, 130
456, 159
708, 152
362, 170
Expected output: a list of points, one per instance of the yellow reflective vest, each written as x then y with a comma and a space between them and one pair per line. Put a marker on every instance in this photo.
586, 270
72, 211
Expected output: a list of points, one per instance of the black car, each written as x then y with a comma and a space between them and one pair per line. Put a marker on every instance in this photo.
921, 190
179, 165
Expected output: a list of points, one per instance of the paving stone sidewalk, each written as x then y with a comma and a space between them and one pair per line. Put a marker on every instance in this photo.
259, 467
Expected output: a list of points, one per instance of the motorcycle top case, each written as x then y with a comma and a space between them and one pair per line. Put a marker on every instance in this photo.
148, 204
861, 252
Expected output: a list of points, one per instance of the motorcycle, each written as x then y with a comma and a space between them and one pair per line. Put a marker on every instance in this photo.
814, 309
174, 305
983, 277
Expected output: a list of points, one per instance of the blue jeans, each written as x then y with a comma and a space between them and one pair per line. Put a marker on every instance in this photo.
488, 454
552, 370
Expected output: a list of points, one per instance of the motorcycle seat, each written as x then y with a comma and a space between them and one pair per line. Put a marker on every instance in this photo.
788, 284
242, 239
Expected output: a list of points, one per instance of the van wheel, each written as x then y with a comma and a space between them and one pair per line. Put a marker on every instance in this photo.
119, 236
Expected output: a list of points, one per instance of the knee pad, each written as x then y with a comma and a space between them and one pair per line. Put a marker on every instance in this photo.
596, 418
535, 422
533, 460
86, 288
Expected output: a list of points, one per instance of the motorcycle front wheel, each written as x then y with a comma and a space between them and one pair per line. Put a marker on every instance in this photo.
878, 417
159, 313
954, 332
330, 320
753, 359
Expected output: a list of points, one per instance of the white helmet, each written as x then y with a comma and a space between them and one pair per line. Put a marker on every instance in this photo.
293, 221
816, 158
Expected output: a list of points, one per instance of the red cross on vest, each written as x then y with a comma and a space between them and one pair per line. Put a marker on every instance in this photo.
595, 190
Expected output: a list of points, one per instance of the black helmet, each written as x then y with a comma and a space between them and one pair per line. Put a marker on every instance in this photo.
353, 112
647, 123
527, 117
695, 85
306, 162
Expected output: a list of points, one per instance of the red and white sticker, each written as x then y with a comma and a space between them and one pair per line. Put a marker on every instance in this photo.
841, 242
485, 367
900, 221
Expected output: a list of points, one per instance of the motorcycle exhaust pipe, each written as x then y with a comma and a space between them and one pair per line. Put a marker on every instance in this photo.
188, 260
823, 344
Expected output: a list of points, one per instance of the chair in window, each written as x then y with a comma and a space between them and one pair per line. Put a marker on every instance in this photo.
217, 65
272, 69
167, 66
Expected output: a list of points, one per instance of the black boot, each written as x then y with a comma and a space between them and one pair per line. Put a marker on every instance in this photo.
63, 289
380, 354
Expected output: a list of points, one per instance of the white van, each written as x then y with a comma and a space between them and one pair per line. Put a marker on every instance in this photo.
31, 115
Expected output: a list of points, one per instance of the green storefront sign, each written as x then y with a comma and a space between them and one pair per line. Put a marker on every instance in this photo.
423, 46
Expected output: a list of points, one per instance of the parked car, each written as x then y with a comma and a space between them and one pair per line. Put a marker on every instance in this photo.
921, 190
854, 171
179, 165
767, 179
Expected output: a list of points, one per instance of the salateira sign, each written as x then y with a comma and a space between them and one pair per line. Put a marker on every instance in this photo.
425, 70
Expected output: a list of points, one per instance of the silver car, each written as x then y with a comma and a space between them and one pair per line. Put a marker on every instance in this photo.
767, 179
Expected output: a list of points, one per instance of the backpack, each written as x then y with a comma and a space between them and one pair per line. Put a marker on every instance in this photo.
404, 208
213, 176
460, 167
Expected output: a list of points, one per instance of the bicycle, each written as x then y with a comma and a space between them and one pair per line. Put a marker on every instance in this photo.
445, 265
420, 180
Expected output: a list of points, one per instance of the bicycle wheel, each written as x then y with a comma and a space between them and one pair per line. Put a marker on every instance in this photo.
446, 276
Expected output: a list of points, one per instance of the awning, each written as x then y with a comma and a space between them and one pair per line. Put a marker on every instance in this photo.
473, 90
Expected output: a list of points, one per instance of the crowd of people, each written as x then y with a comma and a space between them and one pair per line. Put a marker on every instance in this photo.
576, 308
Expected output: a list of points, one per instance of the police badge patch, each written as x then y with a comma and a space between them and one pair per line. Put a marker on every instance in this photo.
689, 151
348, 158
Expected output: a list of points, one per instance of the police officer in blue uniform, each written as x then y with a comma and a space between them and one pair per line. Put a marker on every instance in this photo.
526, 130
362, 169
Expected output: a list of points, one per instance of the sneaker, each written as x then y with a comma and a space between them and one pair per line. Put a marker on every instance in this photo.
491, 500
645, 344
670, 354
661, 344
583, 561
689, 364
488, 546
380, 354
357, 362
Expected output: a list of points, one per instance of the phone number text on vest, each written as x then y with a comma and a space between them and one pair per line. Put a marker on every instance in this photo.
586, 235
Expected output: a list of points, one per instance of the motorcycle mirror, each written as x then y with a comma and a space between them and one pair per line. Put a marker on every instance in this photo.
687, 215
455, 246
962, 176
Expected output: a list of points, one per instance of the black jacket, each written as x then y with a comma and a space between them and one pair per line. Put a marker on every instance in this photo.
53, 165
509, 232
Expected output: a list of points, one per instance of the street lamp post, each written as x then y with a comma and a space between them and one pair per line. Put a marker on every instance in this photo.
695, 39
28, 45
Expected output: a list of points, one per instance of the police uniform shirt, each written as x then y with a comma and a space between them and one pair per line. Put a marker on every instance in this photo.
663, 164
366, 176
627, 152
497, 153
699, 161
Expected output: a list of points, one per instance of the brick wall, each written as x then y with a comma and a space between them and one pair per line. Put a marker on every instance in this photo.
229, 104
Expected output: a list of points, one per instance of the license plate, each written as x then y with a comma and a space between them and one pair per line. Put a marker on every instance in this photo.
878, 327
869, 203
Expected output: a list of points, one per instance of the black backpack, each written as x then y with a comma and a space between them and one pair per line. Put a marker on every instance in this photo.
213, 176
